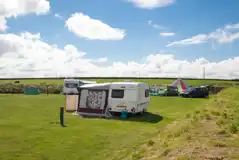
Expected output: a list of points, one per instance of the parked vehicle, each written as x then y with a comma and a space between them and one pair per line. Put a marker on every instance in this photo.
165, 91
171, 91
197, 92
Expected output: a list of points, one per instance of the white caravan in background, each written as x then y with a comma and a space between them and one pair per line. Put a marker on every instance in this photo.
70, 85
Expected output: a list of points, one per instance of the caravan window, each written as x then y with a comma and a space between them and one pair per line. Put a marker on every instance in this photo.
147, 93
117, 93
71, 85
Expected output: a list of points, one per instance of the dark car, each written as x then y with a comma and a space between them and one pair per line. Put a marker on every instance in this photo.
171, 92
198, 92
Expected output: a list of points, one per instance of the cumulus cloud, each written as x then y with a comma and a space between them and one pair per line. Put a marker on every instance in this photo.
27, 55
86, 27
224, 35
167, 34
14, 8
151, 4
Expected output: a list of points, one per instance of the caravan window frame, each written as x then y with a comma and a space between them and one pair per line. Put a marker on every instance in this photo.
117, 90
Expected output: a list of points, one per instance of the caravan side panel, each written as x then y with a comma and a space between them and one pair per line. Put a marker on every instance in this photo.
129, 96
144, 97
121, 99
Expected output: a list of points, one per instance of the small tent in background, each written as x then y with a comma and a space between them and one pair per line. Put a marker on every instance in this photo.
180, 84
31, 90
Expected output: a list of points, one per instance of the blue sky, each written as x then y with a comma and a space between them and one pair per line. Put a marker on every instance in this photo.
185, 18
119, 37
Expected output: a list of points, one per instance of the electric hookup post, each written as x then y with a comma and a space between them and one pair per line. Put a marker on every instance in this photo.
62, 116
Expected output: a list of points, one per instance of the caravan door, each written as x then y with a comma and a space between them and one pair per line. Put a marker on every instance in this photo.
71, 102
83, 98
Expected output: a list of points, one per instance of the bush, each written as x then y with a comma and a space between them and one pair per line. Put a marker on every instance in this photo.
16, 88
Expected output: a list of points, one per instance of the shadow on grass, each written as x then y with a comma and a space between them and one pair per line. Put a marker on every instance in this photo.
58, 123
147, 117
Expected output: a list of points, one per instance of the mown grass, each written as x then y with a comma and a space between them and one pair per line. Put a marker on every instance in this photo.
29, 129
149, 81
211, 132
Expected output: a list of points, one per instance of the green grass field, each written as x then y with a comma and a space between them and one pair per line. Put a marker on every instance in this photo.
149, 81
29, 128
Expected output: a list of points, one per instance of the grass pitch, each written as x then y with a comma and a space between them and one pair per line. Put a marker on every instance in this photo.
29, 129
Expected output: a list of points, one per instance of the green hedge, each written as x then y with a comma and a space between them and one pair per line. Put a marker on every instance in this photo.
17, 88
14, 88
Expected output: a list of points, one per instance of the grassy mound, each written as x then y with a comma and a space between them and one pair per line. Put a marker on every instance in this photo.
209, 133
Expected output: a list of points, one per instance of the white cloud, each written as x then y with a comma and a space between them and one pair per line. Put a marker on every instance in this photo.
223, 35
26, 55
93, 29
232, 26
151, 4
198, 39
102, 60
167, 34
160, 27
58, 16
14, 8
156, 26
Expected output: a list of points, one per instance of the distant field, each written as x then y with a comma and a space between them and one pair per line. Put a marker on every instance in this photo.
149, 81
29, 129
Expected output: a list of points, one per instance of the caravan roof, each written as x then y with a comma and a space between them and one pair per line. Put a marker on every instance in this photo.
68, 79
96, 86
78, 80
88, 82
127, 83
108, 85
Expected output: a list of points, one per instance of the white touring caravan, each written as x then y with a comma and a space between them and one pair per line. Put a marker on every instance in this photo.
70, 85
103, 99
